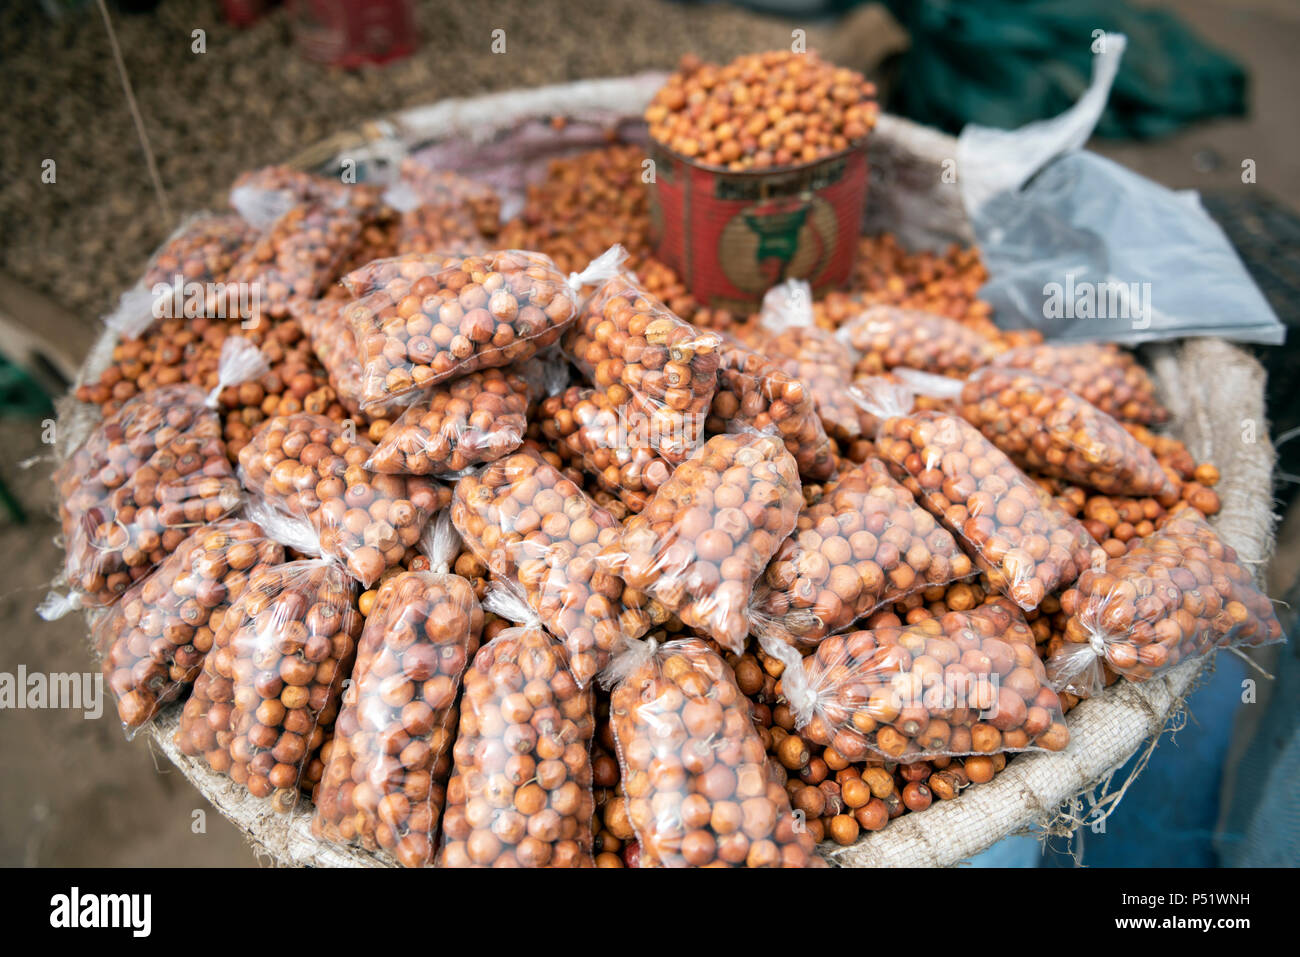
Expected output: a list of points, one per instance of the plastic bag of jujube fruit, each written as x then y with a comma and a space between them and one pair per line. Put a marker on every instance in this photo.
202, 250
269, 690
699, 792
866, 544
656, 367
520, 791
1050, 430
886, 337
1175, 594
788, 336
335, 346
468, 421
442, 210
386, 766
754, 394
586, 425
300, 253
152, 643
130, 494
311, 467
422, 319
702, 542
964, 683
1101, 372
1026, 544
540, 534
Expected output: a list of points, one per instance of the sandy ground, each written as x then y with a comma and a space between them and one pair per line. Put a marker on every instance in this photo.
74, 791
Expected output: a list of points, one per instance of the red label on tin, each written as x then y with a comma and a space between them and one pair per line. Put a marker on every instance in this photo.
732, 236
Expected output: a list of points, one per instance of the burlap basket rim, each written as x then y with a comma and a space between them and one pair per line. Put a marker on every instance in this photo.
1211, 387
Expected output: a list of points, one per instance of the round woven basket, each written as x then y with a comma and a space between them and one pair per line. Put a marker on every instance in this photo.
1214, 391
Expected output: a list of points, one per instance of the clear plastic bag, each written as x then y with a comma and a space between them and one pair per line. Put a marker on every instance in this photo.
1074, 244
386, 767
965, 683
866, 544
886, 337
704, 539
1047, 429
442, 210
298, 256
1104, 374
588, 426
145, 478
263, 195
694, 769
1175, 594
203, 250
789, 336
419, 320
787, 305
152, 642
753, 394
269, 691
475, 419
335, 347
1023, 541
309, 466
240, 361
825, 367
653, 365
520, 794
540, 533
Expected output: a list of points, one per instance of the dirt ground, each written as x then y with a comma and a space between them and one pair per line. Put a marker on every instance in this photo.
74, 792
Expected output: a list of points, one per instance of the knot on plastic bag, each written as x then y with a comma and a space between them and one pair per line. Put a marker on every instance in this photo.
885, 398
402, 197
259, 207
787, 306
881, 397
504, 602
605, 266
54, 606
1078, 669
634, 653
929, 384
240, 361
440, 542
135, 312
288, 530
546, 373
788, 627
795, 686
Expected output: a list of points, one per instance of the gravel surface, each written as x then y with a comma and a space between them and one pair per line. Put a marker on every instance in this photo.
250, 99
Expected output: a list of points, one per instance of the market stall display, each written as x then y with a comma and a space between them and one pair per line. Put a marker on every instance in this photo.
617, 572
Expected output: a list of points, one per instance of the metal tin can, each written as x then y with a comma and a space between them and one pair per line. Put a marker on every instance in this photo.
731, 236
